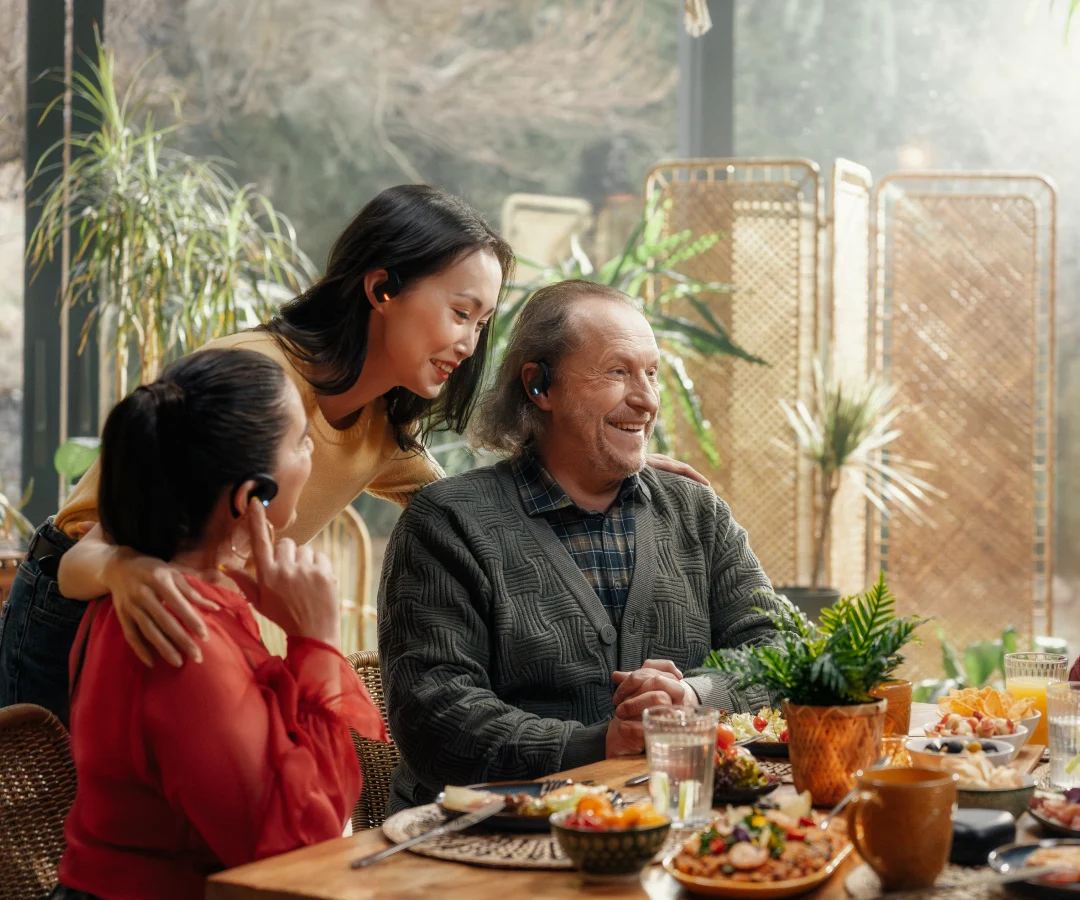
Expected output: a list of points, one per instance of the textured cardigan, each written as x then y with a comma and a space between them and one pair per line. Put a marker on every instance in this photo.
497, 655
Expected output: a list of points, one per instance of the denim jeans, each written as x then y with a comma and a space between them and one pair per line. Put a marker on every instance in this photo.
37, 629
65, 893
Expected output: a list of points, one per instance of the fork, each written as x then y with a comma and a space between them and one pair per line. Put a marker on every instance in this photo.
552, 784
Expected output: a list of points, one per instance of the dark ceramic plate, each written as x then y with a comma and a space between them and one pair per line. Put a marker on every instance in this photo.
505, 821
769, 749
744, 795
1052, 827
1013, 856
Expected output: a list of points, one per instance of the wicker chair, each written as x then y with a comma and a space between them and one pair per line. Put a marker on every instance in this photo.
37, 788
347, 542
377, 760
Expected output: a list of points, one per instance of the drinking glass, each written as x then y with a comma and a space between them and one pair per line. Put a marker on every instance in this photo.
1027, 675
1063, 704
679, 743
898, 710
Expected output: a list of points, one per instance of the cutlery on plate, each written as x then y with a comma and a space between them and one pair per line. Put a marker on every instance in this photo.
457, 824
988, 880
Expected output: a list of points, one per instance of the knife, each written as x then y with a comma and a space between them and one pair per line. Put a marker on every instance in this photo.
458, 824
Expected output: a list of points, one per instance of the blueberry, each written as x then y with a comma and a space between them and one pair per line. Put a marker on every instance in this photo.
987, 747
954, 747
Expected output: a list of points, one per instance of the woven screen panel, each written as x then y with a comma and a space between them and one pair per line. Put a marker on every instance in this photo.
849, 311
963, 325
767, 214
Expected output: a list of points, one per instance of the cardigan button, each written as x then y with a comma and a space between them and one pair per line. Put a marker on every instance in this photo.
608, 634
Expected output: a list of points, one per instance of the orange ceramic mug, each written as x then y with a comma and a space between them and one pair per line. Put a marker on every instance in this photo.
901, 824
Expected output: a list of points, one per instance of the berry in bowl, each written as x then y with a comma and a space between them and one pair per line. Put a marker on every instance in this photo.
604, 840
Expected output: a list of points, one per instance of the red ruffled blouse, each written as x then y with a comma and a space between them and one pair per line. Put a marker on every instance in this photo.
183, 772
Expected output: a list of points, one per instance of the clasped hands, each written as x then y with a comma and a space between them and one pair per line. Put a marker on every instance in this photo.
657, 683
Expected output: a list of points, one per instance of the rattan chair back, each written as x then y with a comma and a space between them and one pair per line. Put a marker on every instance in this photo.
377, 760
37, 788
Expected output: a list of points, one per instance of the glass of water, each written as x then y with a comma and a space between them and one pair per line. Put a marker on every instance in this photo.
680, 742
1063, 708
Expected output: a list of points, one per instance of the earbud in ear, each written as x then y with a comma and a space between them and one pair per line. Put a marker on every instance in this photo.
540, 384
264, 491
384, 290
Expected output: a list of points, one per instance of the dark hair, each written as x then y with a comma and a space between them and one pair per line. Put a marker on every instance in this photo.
415, 230
170, 448
544, 330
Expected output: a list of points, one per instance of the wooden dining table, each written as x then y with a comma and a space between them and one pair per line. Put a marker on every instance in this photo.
322, 871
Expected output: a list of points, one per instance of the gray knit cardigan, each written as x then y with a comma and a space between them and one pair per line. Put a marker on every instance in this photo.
494, 652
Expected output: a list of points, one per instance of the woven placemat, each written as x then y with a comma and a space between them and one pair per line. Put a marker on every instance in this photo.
863, 884
497, 850
780, 768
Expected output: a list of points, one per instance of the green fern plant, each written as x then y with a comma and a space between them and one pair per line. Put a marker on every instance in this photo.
837, 663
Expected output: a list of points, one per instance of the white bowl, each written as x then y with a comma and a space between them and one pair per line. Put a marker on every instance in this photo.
1016, 740
1030, 723
916, 747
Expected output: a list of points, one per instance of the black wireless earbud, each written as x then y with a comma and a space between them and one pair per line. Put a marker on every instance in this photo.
384, 290
541, 383
264, 491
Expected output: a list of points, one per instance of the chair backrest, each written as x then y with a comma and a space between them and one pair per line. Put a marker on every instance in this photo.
377, 760
347, 542
37, 788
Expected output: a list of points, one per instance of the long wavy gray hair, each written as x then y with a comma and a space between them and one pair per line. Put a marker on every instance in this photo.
506, 419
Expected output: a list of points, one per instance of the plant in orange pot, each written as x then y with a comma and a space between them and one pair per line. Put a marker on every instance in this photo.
826, 674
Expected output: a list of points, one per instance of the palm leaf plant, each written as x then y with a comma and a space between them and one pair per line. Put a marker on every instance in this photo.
848, 435
854, 650
647, 270
169, 249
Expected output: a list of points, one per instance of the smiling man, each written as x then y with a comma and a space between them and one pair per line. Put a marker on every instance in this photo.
530, 611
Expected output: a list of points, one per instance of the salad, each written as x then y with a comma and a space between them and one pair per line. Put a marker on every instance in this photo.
735, 768
768, 723
751, 843
595, 813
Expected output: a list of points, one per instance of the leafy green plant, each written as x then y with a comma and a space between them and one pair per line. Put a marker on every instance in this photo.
170, 250
75, 456
848, 433
15, 528
837, 663
647, 269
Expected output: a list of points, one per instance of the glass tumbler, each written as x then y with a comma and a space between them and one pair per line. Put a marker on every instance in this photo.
1063, 706
1027, 675
680, 742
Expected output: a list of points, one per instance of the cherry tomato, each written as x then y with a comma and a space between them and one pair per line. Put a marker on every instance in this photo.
783, 736
725, 736
760, 723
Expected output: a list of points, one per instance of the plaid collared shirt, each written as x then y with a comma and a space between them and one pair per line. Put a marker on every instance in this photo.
602, 544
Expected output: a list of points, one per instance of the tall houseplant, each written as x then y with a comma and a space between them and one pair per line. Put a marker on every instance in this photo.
826, 675
847, 436
170, 250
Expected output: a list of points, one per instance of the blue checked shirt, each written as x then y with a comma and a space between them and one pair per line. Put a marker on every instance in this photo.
602, 544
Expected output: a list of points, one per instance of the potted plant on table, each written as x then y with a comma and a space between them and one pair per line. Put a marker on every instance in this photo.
826, 674
847, 436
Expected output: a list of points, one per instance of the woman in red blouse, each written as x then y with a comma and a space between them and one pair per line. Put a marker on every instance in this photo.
185, 771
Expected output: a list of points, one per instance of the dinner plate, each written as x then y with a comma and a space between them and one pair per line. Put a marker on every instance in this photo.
1012, 856
746, 890
506, 821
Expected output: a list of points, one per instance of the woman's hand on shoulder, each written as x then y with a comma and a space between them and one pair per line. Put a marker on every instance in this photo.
295, 588
662, 461
156, 607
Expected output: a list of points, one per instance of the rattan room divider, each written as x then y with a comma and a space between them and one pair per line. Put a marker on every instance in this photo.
941, 283
963, 325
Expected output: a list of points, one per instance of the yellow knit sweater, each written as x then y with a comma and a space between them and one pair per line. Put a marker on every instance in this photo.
363, 457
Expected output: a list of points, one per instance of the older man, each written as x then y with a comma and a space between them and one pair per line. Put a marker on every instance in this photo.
531, 611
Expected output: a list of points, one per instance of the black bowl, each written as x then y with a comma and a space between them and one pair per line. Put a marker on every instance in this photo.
769, 749
740, 796
605, 853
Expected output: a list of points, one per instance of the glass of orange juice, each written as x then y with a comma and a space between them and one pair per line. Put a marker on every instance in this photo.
1027, 675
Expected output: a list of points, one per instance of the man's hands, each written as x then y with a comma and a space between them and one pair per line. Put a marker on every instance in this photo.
657, 683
